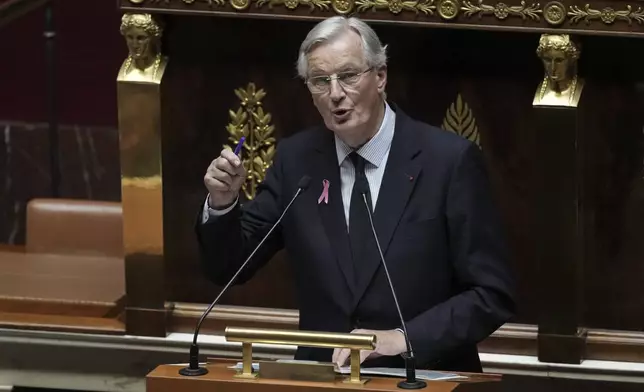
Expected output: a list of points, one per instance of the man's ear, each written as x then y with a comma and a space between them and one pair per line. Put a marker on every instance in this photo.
381, 77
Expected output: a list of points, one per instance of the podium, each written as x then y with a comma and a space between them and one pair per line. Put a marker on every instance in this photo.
225, 375
220, 378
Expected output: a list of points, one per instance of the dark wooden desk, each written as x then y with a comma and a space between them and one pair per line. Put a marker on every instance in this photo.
74, 293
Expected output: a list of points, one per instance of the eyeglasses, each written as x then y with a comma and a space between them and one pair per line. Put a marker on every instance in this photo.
322, 84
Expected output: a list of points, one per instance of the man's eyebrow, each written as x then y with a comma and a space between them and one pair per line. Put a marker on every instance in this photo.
348, 67
343, 68
317, 72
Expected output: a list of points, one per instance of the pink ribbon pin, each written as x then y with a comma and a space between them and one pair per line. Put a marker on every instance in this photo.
325, 192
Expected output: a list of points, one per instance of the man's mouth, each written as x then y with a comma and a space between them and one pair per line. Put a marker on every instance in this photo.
340, 112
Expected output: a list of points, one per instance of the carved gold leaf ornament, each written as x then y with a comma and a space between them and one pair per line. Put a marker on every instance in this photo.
448, 9
607, 15
240, 5
187, 2
250, 121
343, 6
501, 10
293, 4
554, 13
397, 6
460, 120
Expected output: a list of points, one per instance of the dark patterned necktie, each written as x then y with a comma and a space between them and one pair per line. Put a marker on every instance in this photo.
361, 237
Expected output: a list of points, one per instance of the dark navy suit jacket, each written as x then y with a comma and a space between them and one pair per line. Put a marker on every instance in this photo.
438, 227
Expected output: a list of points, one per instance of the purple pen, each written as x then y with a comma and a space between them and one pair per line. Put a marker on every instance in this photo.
239, 145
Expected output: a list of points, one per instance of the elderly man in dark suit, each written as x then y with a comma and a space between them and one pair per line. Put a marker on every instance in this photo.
432, 209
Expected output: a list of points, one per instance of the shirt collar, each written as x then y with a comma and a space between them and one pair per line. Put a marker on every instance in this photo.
375, 150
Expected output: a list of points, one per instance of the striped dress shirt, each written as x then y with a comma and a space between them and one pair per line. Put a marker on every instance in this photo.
375, 152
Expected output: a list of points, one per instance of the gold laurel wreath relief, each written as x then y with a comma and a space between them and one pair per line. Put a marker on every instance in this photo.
251, 122
459, 119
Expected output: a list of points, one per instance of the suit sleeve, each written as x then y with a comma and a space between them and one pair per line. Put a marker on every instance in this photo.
483, 299
225, 241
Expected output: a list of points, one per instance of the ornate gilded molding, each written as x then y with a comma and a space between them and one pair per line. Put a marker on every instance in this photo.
501, 10
554, 12
459, 119
293, 4
448, 9
607, 15
211, 2
240, 5
251, 122
343, 6
427, 7
187, 2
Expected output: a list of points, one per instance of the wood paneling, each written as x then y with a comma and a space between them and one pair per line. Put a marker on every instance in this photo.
515, 339
455, 62
496, 74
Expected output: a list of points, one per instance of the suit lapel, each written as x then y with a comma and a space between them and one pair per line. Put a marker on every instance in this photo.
332, 213
400, 177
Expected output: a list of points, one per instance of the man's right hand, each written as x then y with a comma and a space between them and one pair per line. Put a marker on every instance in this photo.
224, 179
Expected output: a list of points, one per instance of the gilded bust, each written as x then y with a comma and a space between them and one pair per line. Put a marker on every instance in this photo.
142, 35
561, 85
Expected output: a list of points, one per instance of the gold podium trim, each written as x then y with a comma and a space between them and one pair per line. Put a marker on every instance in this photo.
351, 341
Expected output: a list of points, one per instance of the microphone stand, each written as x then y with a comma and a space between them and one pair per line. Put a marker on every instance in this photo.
193, 368
410, 361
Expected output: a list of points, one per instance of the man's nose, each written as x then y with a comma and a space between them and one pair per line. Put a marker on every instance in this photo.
336, 92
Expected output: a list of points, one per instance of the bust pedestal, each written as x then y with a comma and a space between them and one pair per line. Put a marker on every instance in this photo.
558, 201
140, 107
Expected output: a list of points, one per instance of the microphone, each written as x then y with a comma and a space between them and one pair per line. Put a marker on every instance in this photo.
410, 361
193, 368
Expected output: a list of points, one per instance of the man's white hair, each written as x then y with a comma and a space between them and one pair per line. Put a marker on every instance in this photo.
375, 53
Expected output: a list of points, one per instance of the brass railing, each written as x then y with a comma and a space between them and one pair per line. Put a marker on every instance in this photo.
351, 341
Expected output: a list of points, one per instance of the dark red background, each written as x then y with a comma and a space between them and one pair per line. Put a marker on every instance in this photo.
89, 50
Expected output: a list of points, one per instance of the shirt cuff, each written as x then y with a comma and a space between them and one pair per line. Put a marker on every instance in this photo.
404, 353
213, 213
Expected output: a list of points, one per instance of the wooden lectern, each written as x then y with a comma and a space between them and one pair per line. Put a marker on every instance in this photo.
220, 378
223, 375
